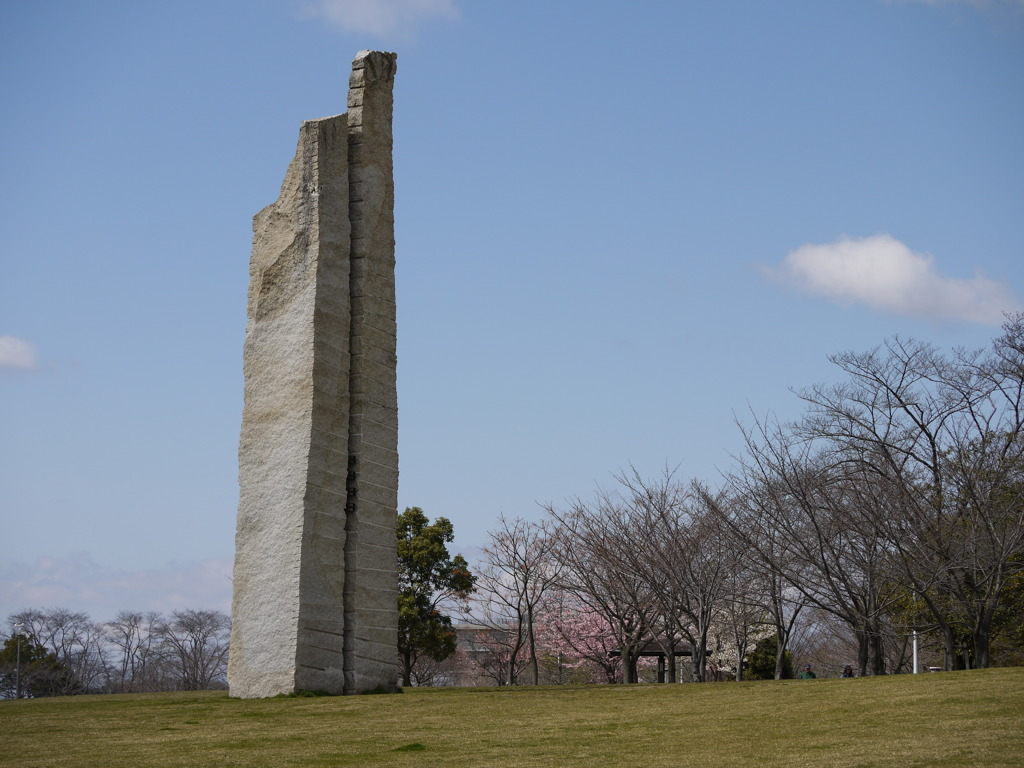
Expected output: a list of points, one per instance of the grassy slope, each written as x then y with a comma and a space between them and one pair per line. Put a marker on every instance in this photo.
954, 719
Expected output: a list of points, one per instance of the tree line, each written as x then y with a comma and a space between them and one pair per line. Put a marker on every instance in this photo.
892, 507
57, 652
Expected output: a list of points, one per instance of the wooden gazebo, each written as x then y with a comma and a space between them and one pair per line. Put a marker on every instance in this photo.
654, 649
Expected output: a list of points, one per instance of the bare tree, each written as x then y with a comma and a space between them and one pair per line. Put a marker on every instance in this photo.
660, 541
591, 540
764, 547
745, 616
905, 478
74, 641
135, 664
682, 553
800, 519
197, 641
495, 652
935, 443
517, 571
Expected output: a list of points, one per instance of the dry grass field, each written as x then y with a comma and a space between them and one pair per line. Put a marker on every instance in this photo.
951, 719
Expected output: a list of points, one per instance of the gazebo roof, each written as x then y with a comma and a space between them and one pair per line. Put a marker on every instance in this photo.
654, 649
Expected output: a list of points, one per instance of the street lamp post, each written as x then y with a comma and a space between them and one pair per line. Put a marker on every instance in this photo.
17, 663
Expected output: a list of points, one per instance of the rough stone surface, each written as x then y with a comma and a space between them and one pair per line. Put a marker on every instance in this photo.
315, 584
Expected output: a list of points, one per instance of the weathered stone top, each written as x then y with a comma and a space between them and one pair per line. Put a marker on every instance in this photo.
366, 54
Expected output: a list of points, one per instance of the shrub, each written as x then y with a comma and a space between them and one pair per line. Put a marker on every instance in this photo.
761, 661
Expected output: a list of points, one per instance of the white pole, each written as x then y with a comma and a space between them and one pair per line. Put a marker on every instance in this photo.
916, 668
17, 664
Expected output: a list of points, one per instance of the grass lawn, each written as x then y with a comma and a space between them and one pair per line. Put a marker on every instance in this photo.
948, 719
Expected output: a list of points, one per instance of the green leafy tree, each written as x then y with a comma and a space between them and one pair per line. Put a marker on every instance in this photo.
1006, 627
1008, 640
761, 661
32, 671
428, 578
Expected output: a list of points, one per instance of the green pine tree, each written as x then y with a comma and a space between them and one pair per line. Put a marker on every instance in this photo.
427, 577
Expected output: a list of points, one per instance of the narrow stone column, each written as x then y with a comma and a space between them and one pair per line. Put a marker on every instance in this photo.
371, 597
315, 583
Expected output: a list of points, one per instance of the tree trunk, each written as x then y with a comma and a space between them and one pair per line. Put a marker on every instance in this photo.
980, 637
862, 652
700, 657
781, 641
533, 645
668, 647
629, 659
877, 653
949, 648
407, 663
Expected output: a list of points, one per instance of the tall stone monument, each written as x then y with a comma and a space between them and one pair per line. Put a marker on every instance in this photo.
315, 582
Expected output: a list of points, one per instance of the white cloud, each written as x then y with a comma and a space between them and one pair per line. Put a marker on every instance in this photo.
381, 17
79, 583
886, 275
16, 353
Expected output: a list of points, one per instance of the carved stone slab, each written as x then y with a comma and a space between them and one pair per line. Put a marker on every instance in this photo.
315, 582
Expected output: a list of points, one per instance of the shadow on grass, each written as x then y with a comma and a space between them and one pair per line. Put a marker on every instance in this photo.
414, 747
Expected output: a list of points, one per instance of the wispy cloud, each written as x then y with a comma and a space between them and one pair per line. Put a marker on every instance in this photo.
886, 275
17, 353
79, 583
381, 17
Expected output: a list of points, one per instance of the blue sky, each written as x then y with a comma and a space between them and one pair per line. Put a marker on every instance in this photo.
620, 227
